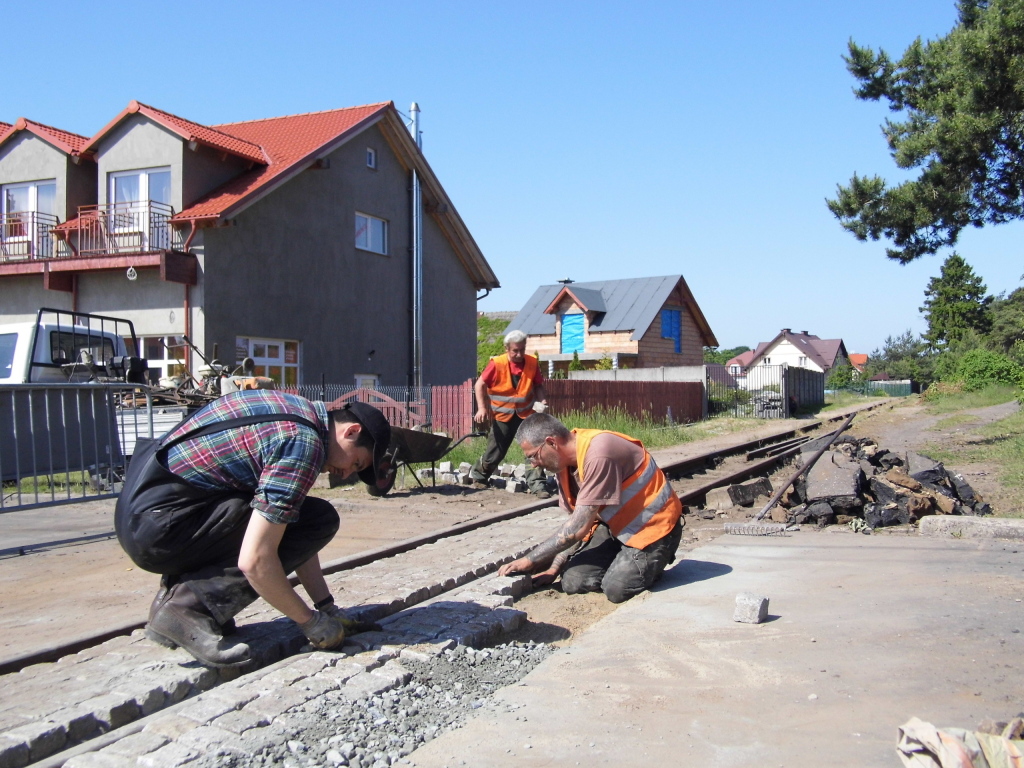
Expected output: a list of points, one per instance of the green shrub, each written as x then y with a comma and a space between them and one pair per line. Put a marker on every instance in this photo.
575, 364
980, 367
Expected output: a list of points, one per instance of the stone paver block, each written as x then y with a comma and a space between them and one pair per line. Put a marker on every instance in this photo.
149, 698
232, 695
208, 737
318, 685
113, 710
240, 722
99, 760
394, 672
206, 709
14, 753
510, 619
172, 726
273, 704
367, 684
750, 608
136, 745
833, 475
168, 756
80, 723
42, 738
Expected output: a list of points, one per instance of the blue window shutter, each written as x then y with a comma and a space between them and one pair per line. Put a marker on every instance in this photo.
572, 334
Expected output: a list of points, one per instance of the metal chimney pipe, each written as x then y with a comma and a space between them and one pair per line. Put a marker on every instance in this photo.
417, 257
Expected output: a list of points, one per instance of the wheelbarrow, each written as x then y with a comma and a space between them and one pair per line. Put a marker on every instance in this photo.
409, 446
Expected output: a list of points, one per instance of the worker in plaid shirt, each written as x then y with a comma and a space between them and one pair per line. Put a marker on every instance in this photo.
220, 508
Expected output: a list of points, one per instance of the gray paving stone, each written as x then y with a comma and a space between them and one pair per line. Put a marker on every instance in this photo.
80, 723
318, 686
136, 745
367, 684
426, 651
208, 738
278, 702
113, 710
168, 756
394, 673
240, 722
42, 738
206, 709
99, 760
172, 726
14, 753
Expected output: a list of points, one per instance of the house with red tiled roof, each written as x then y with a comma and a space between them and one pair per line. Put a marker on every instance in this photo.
800, 350
858, 361
738, 365
288, 240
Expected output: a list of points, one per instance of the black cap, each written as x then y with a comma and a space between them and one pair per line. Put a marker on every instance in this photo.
374, 422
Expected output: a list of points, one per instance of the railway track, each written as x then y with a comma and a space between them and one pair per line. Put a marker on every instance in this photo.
428, 592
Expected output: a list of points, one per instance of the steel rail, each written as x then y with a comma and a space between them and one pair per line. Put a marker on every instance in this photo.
52, 653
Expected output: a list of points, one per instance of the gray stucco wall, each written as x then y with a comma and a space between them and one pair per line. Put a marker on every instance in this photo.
288, 269
204, 171
139, 143
81, 181
21, 296
28, 158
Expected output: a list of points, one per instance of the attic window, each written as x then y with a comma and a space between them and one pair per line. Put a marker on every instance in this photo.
371, 158
671, 327
371, 233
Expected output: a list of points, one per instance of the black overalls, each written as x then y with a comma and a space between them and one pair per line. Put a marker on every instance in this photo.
186, 534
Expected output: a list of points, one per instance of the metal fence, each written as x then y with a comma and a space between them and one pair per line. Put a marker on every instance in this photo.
62, 443
763, 391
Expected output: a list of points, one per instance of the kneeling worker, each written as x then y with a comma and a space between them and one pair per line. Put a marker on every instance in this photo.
624, 520
219, 508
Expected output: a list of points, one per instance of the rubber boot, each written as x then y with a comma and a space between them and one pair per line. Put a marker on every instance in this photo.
177, 618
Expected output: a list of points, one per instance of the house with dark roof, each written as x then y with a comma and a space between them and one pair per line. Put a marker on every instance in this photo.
800, 350
645, 322
288, 240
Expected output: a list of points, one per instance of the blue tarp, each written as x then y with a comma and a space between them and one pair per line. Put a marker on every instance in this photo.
572, 334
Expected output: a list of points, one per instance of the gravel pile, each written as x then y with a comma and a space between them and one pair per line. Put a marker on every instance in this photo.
379, 731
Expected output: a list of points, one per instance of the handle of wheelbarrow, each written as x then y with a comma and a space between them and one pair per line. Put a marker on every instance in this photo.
460, 440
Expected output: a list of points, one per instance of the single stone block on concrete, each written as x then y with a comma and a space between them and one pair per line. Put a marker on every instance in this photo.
750, 608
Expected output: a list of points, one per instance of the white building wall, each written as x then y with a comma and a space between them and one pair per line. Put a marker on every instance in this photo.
785, 353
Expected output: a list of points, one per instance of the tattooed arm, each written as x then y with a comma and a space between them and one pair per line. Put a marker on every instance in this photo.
574, 530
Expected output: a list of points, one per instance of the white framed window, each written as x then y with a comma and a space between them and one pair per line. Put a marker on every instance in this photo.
139, 206
164, 355
28, 211
367, 381
767, 361
371, 157
371, 233
277, 359
802, 363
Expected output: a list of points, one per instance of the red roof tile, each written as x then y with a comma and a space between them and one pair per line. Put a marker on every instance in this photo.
188, 130
286, 142
66, 141
858, 360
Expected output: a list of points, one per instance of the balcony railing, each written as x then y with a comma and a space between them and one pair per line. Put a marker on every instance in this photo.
142, 226
27, 235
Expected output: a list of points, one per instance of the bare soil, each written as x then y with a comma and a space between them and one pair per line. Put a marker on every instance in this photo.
57, 593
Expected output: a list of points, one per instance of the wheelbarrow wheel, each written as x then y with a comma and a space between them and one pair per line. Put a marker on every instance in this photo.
384, 485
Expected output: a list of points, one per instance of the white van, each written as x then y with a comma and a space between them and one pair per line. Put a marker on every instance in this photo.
62, 346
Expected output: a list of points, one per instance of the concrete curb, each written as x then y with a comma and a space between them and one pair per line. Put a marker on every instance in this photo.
960, 527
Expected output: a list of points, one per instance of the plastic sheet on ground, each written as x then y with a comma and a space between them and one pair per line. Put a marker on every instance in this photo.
922, 745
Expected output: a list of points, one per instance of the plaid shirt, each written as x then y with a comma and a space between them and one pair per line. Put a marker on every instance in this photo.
278, 461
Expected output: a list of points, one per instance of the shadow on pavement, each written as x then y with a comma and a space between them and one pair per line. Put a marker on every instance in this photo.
688, 571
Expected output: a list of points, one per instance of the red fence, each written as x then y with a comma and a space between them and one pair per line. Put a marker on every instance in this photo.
682, 401
451, 409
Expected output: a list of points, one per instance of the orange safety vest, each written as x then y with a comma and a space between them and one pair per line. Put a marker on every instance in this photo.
506, 400
648, 508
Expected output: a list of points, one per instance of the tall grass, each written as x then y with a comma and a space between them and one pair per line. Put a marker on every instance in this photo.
843, 398
946, 399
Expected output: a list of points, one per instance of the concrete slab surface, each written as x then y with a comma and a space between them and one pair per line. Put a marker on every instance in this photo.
863, 633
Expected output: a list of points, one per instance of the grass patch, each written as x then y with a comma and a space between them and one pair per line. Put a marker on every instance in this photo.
652, 435
955, 420
1003, 446
843, 399
949, 400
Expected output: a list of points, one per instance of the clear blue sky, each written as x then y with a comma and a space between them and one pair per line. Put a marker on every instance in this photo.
595, 140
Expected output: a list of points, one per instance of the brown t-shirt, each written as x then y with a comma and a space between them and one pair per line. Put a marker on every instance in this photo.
609, 461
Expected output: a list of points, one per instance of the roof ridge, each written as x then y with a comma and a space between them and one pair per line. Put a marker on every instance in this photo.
304, 114
202, 125
52, 128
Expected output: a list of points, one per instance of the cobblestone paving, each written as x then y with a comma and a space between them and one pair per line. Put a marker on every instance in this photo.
433, 597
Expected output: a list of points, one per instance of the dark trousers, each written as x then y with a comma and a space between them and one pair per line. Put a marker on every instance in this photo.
499, 440
604, 564
198, 542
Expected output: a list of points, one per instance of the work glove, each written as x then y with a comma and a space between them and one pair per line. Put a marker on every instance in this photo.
352, 626
324, 630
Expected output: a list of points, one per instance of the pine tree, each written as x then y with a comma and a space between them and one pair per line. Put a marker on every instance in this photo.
955, 302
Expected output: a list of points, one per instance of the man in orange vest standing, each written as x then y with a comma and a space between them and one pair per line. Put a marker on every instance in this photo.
625, 521
506, 392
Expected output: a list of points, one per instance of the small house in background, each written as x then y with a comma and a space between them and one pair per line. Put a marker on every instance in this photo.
859, 362
738, 365
800, 350
644, 322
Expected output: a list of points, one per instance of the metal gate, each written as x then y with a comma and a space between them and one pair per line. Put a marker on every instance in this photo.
763, 391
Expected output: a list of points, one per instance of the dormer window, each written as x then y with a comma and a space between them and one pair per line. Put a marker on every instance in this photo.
141, 186
27, 214
371, 158
138, 210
